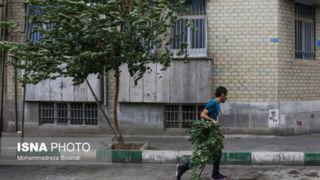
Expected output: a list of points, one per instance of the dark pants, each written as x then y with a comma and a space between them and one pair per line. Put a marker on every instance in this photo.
216, 166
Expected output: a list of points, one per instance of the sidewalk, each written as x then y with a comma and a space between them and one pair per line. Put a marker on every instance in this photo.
239, 149
239, 143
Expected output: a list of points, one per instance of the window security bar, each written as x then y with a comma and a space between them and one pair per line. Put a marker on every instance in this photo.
181, 116
68, 113
196, 39
304, 31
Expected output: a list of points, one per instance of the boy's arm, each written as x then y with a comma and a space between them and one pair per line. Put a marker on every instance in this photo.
204, 115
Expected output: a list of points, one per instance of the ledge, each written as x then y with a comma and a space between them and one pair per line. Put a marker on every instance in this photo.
195, 58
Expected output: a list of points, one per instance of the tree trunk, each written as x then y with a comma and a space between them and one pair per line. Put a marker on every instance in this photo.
102, 110
115, 110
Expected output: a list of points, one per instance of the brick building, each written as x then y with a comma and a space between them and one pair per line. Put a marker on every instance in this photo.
265, 52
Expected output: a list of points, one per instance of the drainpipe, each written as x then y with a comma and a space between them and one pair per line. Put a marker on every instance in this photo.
1, 62
105, 88
2, 57
26, 30
16, 94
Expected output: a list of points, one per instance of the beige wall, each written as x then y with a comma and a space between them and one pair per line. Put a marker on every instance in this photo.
16, 11
111, 83
298, 78
245, 60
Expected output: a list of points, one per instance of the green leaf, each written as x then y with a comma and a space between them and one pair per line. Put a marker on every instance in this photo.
207, 141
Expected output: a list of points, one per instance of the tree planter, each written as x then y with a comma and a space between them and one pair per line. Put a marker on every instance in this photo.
131, 146
123, 155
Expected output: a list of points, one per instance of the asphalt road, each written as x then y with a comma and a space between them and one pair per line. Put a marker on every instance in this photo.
153, 172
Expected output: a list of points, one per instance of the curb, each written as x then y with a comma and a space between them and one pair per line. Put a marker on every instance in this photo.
258, 158
174, 156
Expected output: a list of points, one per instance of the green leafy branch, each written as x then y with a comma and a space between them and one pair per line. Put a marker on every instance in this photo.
207, 142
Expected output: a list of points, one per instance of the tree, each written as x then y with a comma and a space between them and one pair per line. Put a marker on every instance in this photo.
79, 38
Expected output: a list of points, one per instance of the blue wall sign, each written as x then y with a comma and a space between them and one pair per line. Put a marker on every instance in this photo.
318, 43
274, 40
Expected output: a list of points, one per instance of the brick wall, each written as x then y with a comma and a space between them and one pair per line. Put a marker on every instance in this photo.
245, 61
298, 78
16, 11
111, 83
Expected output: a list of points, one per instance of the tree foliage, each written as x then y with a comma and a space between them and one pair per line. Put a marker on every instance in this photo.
207, 142
82, 37
76, 38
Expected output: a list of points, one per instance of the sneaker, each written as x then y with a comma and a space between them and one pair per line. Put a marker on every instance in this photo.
219, 177
178, 174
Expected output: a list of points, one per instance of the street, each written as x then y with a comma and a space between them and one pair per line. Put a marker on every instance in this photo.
153, 172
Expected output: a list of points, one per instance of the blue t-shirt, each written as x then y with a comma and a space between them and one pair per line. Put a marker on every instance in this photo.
213, 108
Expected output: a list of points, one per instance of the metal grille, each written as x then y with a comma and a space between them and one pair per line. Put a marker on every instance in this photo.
34, 34
46, 113
68, 113
62, 113
76, 113
304, 31
90, 114
181, 116
195, 11
144, 41
171, 114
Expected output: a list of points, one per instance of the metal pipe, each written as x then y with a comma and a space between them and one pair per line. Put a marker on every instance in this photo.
105, 88
26, 30
16, 94
2, 57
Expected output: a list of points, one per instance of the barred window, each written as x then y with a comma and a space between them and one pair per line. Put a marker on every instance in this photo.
146, 43
68, 113
46, 113
196, 39
33, 32
179, 116
304, 31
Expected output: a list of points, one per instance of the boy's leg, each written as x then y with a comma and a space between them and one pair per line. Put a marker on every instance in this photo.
181, 168
216, 166
184, 167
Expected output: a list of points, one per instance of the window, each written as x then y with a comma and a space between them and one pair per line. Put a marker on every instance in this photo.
68, 113
33, 34
46, 113
197, 40
304, 31
179, 116
145, 42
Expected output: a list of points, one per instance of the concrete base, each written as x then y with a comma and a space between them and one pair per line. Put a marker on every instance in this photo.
263, 118
299, 117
